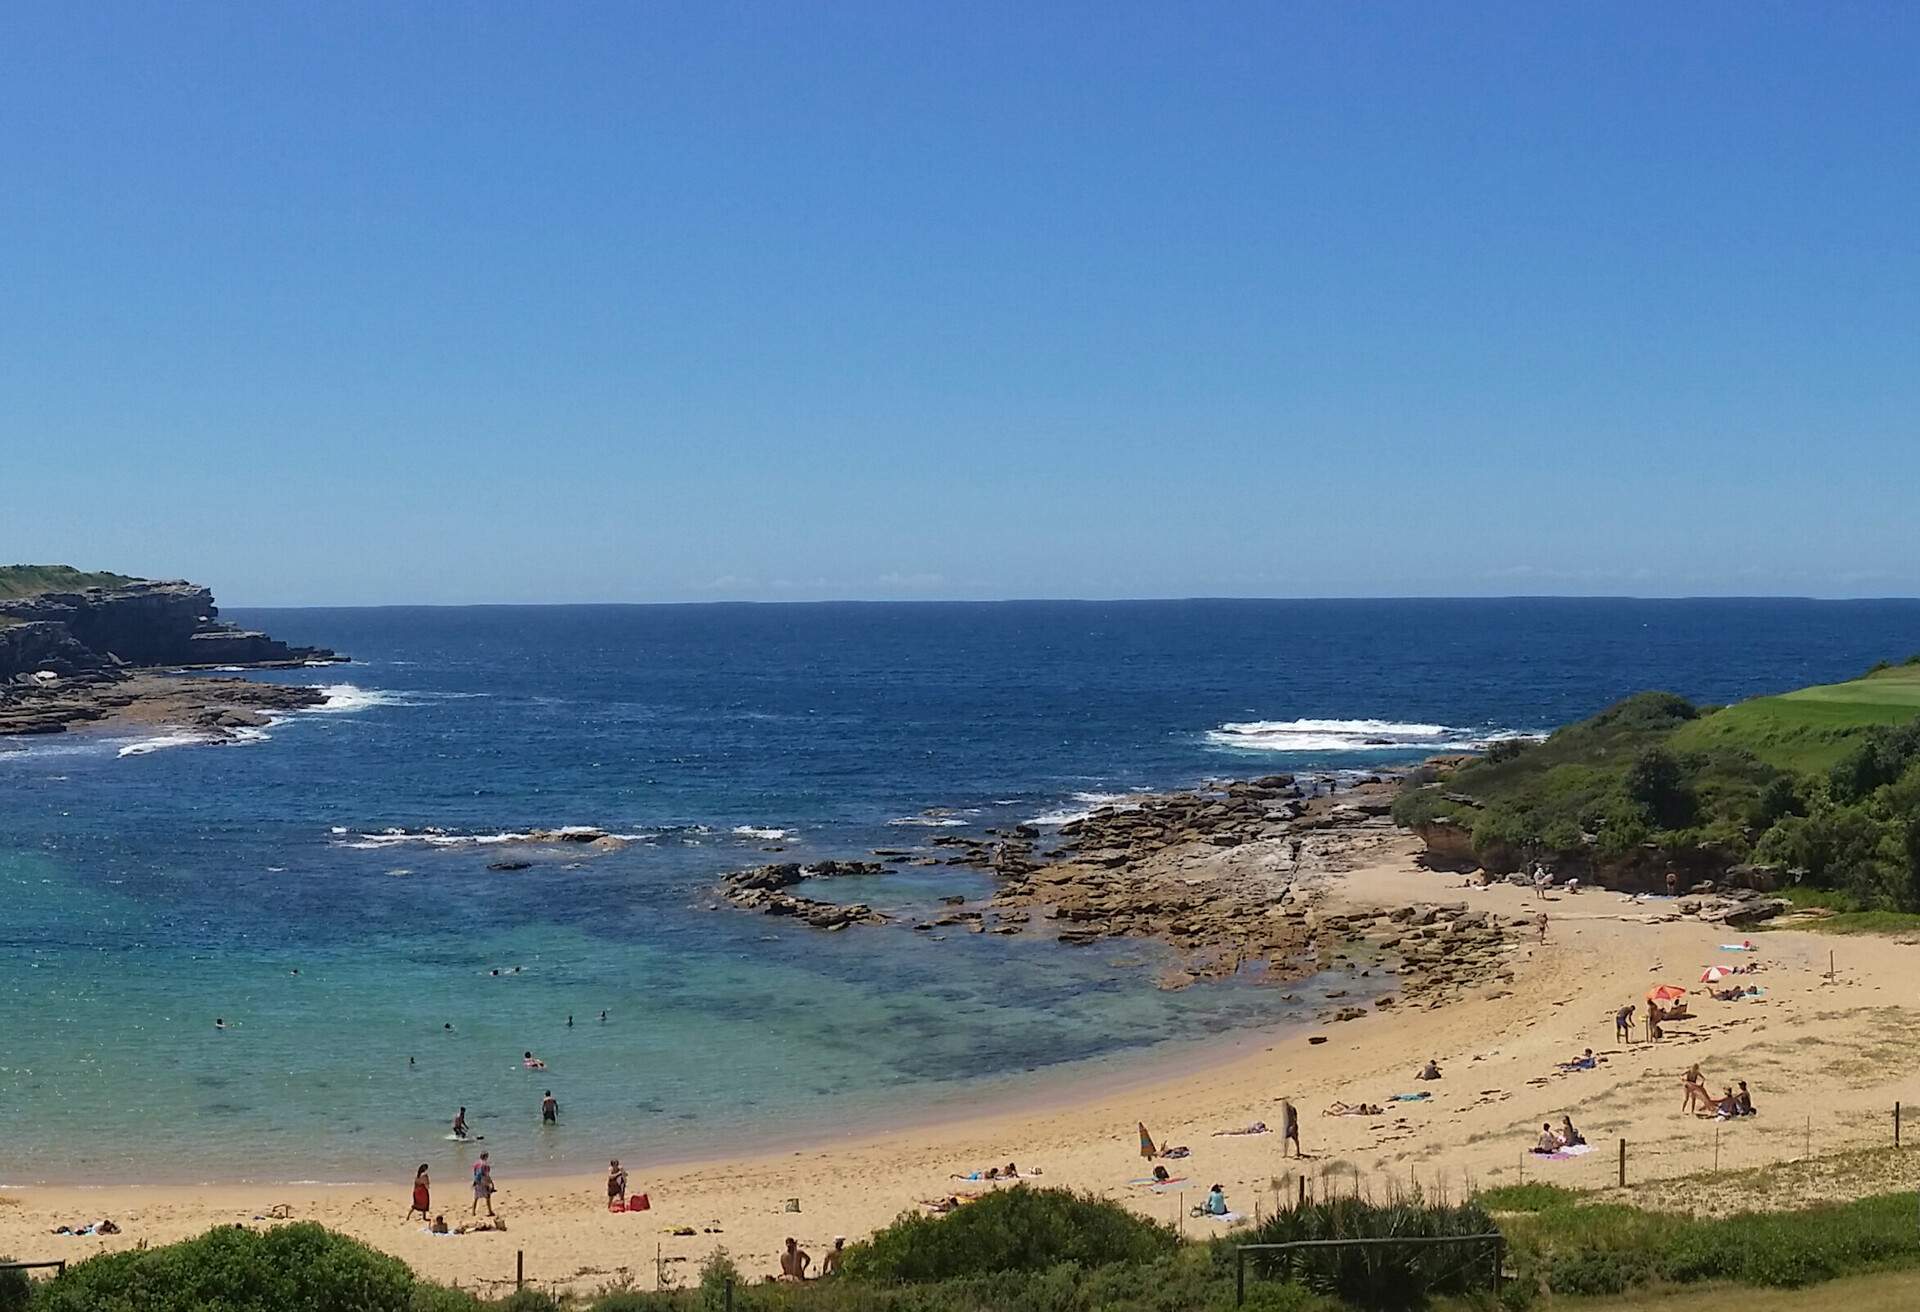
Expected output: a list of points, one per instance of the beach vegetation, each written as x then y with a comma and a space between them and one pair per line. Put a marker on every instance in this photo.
237, 1270
1821, 784
31, 580
15, 1288
1382, 1276
1018, 1229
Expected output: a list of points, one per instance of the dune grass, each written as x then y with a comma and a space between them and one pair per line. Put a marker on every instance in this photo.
1887, 1291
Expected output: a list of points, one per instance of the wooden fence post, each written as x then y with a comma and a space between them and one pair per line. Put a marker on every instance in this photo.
519, 1268
1896, 1125
1623, 1163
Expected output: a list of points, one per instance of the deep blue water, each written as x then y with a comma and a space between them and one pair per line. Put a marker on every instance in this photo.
144, 892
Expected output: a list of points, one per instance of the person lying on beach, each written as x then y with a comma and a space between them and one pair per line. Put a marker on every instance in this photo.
1258, 1127
794, 1261
1586, 1061
941, 1206
1429, 1072
482, 1226
1354, 1109
101, 1227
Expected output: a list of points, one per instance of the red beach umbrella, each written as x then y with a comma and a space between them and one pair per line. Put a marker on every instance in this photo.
1666, 993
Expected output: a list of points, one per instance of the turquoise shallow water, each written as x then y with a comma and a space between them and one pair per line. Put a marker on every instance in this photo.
145, 892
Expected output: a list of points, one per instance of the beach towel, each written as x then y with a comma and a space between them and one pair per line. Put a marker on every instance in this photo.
1226, 1218
1568, 1153
1738, 947
1409, 1097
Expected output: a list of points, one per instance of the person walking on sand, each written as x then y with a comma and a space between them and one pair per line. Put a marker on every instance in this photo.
483, 1186
549, 1109
422, 1196
1289, 1128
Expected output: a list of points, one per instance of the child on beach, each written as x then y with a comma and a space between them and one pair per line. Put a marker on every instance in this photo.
616, 1185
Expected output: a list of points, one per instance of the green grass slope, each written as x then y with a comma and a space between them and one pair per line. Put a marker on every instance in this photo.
1809, 729
27, 580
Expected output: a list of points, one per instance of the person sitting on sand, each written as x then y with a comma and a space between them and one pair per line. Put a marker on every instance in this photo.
1216, 1204
794, 1261
439, 1225
1161, 1175
1570, 1137
1430, 1072
616, 1184
422, 1196
830, 1264
1743, 1101
1695, 1085
1548, 1143
1586, 1061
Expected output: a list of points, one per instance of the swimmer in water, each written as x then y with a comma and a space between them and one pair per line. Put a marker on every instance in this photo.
532, 1062
460, 1124
219, 1023
569, 1022
603, 1018
447, 1026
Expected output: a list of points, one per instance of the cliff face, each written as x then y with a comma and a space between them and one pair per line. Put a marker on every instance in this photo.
134, 624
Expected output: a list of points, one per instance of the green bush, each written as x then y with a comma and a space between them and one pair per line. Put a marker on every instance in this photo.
428, 1297
16, 1290
1385, 1276
291, 1268
1598, 1272
1526, 1197
1018, 1229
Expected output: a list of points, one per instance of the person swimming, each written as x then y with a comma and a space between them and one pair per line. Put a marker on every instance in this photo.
532, 1062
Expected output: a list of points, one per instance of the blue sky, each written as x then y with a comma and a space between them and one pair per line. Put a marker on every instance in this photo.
431, 303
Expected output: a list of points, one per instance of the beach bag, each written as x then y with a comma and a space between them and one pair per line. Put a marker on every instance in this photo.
639, 1203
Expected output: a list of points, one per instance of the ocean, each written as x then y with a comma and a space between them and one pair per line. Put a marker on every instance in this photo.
323, 886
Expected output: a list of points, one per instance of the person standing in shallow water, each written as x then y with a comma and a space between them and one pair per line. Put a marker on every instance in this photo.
549, 1109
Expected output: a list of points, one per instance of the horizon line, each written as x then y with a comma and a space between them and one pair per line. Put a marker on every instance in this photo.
1076, 601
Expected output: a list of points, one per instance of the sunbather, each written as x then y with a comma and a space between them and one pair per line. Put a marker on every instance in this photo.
1258, 1127
1354, 1109
1570, 1137
1548, 1143
1584, 1062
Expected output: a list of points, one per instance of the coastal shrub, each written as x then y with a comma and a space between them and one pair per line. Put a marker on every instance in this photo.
1526, 1197
1385, 1276
15, 1289
429, 1297
292, 1268
1018, 1229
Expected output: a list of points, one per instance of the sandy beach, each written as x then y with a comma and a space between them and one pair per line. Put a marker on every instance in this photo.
1826, 1060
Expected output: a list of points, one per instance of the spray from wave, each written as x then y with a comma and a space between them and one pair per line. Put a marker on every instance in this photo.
1089, 803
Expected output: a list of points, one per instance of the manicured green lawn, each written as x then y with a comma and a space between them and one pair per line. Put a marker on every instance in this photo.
1810, 728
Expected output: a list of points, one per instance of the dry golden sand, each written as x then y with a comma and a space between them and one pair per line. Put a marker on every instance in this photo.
1826, 1061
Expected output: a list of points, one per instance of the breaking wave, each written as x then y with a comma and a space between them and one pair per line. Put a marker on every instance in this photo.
754, 831
1348, 736
1089, 803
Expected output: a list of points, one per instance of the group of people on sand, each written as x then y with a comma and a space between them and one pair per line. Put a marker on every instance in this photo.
1701, 1103
1553, 1140
796, 1261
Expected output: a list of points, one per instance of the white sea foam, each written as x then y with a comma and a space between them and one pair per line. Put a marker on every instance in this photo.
1346, 736
752, 831
160, 742
929, 821
345, 698
1089, 803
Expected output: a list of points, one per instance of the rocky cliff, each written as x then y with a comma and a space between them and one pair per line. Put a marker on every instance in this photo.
136, 623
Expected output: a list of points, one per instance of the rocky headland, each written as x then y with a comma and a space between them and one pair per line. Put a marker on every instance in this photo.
95, 651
